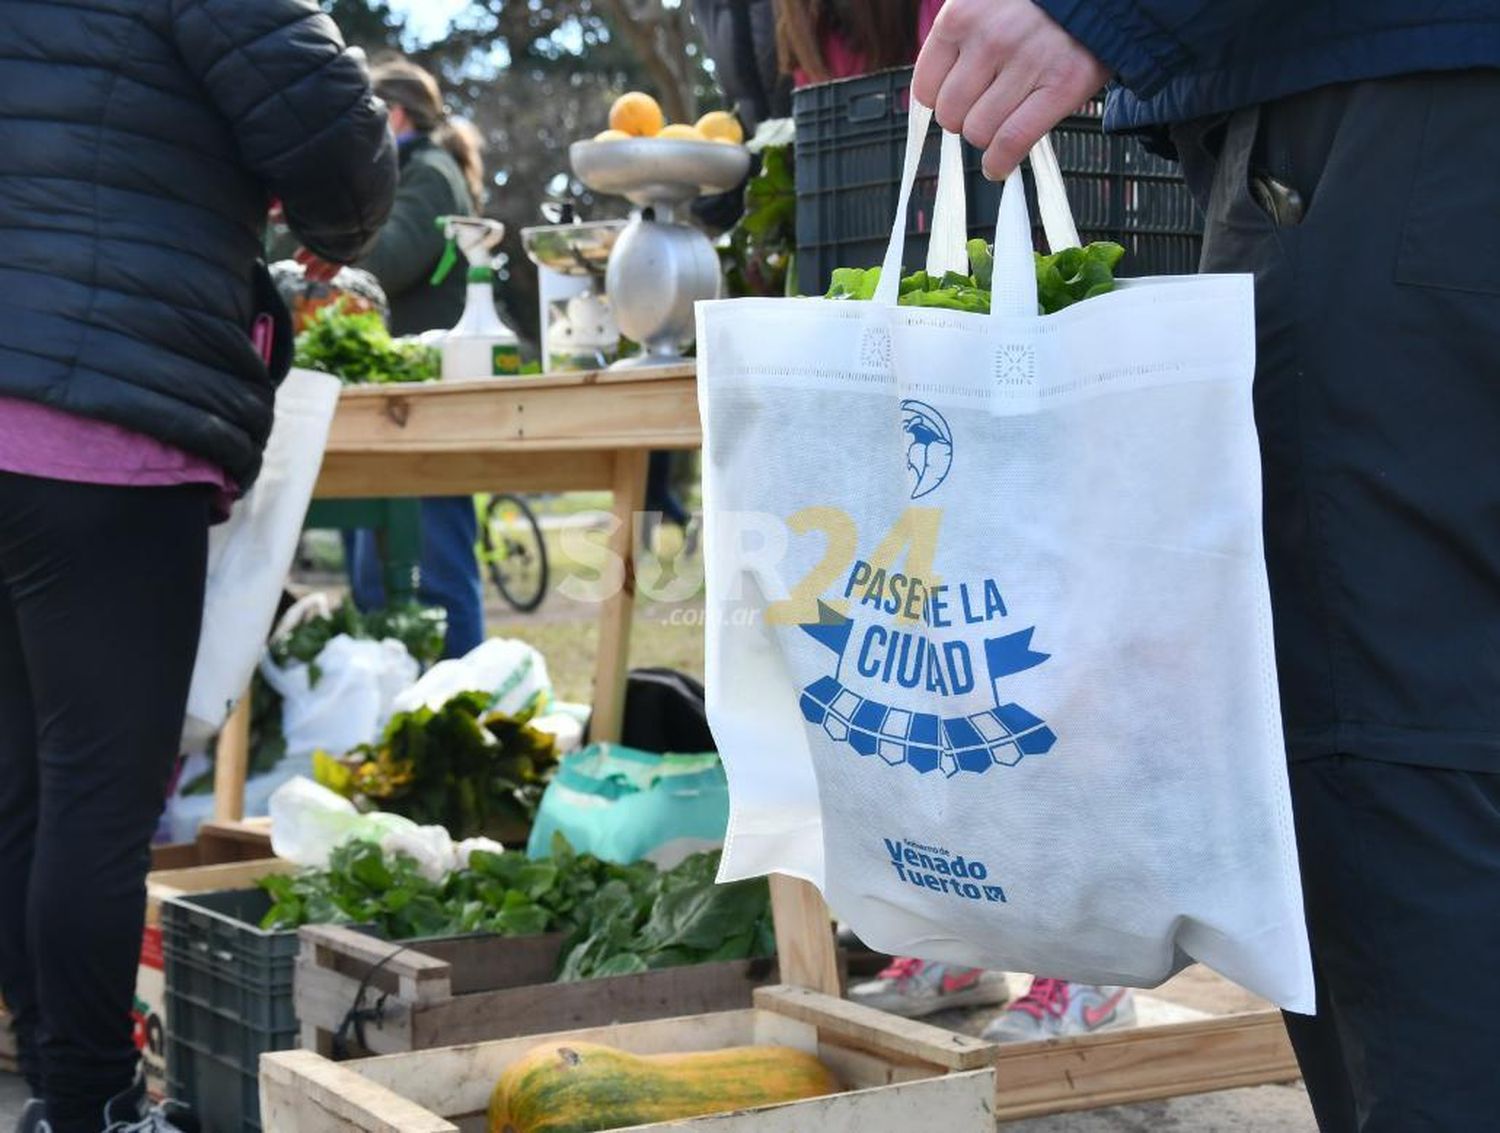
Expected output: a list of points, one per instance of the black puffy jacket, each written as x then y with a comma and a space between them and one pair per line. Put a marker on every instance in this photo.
140, 144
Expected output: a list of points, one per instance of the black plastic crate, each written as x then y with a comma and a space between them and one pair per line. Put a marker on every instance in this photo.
851, 142
229, 1000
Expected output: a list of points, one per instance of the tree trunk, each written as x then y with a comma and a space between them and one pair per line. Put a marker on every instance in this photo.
659, 38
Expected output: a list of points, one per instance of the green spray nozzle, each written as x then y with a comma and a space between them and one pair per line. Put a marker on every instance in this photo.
476, 237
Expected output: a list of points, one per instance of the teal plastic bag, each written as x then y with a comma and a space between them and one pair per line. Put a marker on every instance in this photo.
624, 805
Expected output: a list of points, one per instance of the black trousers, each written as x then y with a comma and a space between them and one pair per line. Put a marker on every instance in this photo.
1401, 871
1377, 398
101, 599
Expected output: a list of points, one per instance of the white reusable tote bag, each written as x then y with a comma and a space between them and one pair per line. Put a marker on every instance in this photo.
250, 555
989, 637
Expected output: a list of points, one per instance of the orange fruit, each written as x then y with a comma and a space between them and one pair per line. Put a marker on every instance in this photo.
612, 136
636, 114
721, 126
681, 133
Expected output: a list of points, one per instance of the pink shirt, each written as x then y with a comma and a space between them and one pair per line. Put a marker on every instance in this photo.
846, 63
37, 440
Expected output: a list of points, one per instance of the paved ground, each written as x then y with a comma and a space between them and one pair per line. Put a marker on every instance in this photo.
12, 1097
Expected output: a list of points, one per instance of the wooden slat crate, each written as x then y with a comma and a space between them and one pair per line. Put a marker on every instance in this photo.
219, 843
473, 989
1143, 1063
899, 1075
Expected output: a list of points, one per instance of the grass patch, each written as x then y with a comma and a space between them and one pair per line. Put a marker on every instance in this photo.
569, 646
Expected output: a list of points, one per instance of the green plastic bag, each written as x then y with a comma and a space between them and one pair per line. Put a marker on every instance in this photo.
624, 805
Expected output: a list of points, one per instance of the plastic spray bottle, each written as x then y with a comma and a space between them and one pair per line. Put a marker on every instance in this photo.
480, 346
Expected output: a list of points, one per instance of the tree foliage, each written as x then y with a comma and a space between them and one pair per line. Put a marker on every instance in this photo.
535, 77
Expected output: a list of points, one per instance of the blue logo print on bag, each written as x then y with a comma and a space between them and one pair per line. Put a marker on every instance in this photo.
929, 450
905, 658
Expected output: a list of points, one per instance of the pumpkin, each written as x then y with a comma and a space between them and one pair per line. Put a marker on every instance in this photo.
587, 1087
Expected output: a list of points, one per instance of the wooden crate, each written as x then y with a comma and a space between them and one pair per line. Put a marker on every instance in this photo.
900, 1075
478, 988
219, 843
1143, 1063
164, 884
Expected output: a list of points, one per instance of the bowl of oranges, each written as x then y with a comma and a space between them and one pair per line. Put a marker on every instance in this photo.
650, 161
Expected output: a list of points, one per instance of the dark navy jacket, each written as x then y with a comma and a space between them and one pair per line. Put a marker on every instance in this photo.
140, 143
1184, 59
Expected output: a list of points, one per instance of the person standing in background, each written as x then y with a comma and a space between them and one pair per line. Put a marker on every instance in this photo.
442, 174
138, 366
822, 40
740, 36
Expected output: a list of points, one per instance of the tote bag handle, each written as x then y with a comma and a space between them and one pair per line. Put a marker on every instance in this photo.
1015, 274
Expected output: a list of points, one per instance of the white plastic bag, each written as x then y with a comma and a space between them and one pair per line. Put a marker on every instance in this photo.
309, 822
184, 814
350, 702
989, 636
513, 672
249, 556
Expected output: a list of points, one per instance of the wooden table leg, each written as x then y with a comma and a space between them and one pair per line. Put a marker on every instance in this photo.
613, 662
804, 936
232, 764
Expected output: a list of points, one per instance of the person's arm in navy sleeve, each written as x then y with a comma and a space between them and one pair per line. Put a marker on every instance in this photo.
1145, 42
1004, 72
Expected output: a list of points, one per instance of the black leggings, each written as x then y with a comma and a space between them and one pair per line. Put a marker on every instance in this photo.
101, 598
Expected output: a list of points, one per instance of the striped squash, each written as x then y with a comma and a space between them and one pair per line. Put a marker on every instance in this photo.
586, 1087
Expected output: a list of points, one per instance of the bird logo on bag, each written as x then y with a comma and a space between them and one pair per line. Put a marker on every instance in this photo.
929, 451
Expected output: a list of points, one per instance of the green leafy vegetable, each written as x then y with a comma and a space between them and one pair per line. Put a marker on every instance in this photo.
758, 252
456, 766
421, 629
1064, 278
619, 919
356, 348
855, 283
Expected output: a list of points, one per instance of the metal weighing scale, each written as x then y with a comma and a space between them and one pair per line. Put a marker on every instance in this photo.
577, 324
660, 265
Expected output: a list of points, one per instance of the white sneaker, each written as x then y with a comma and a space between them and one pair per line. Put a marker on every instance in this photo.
132, 1112
913, 988
33, 1117
1053, 1008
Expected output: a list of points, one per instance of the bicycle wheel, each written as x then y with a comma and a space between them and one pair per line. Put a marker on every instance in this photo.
515, 552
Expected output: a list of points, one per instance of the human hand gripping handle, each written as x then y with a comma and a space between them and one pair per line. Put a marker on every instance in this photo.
1003, 73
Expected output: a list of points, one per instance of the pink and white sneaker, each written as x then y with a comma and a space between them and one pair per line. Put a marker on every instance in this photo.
1053, 1008
913, 988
